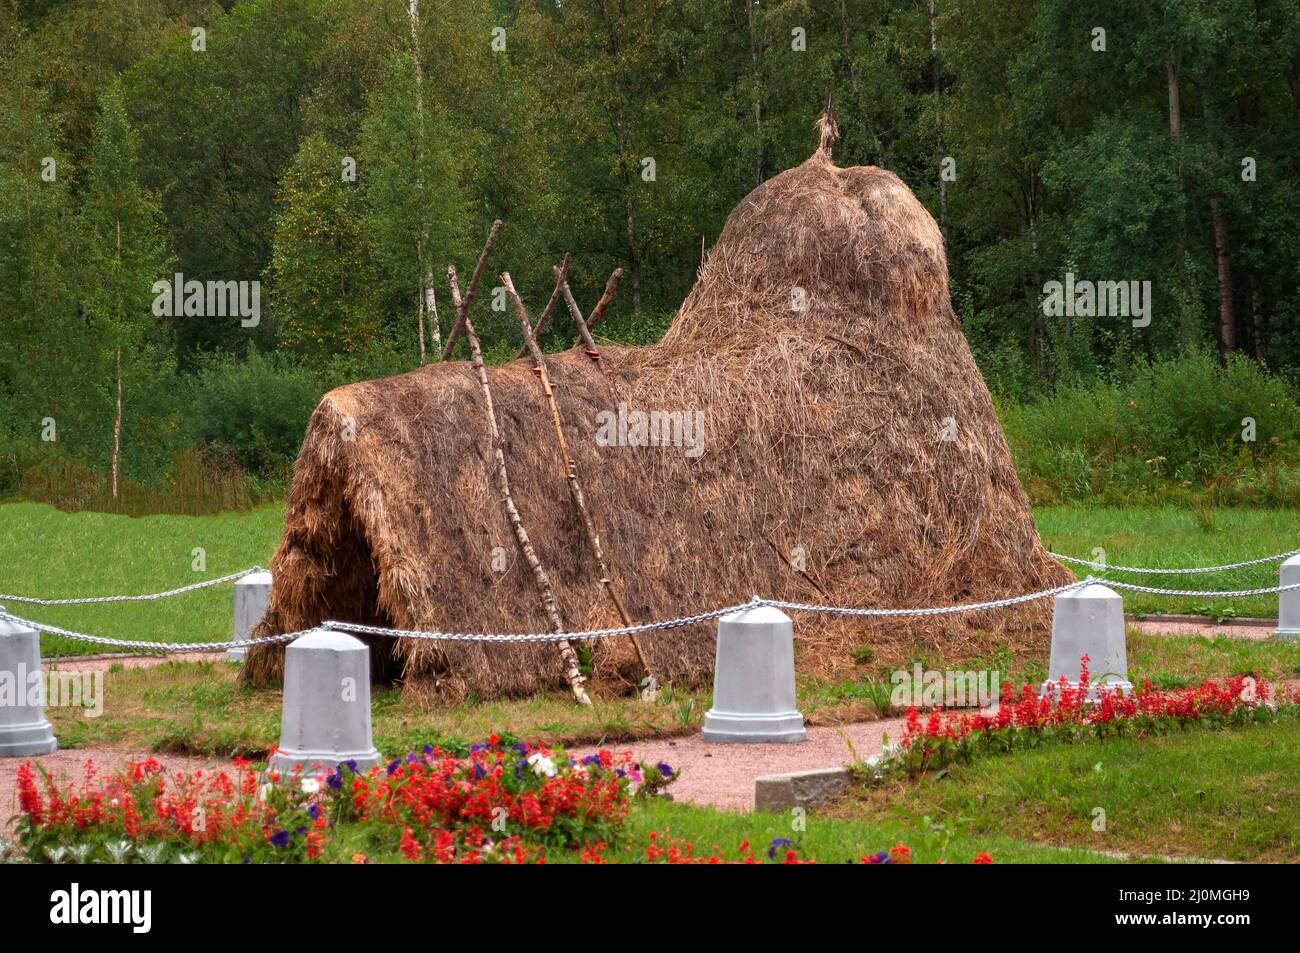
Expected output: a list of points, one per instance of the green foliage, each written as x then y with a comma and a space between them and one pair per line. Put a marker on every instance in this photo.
226, 163
415, 212
1173, 431
257, 407
320, 266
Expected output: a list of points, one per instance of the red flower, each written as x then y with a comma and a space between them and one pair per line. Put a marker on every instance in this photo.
410, 846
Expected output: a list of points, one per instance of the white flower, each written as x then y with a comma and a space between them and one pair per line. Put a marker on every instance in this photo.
264, 791
542, 764
310, 786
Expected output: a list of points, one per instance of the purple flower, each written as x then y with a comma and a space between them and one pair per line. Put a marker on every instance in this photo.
334, 779
778, 842
592, 759
280, 839
664, 769
392, 766
314, 812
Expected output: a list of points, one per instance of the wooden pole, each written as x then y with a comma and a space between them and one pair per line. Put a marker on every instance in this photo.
549, 603
461, 313
570, 467
611, 289
562, 275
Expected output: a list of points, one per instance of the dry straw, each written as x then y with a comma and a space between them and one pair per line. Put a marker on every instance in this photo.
821, 345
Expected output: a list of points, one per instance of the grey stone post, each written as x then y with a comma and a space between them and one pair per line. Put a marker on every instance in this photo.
325, 717
1089, 621
1288, 603
252, 593
753, 679
24, 730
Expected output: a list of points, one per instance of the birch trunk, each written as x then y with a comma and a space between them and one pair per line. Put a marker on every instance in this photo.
568, 656
576, 493
1223, 264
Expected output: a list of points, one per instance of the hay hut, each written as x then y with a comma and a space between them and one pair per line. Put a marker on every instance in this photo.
851, 454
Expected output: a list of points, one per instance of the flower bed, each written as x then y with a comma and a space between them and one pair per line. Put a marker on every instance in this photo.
1067, 713
505, 804
510, 804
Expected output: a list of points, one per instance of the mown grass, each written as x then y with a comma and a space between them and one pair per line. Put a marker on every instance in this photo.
824, 838
1200, 793
51, 554
48, 553
1170, 537
199, 708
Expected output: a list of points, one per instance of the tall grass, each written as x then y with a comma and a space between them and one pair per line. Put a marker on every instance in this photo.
1184, 431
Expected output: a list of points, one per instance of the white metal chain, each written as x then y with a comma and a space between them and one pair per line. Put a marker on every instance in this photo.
148, 597
661, 626
160, 647
938, 610
1176, 572
1213, 593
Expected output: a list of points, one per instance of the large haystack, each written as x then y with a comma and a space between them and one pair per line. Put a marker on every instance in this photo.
824, 437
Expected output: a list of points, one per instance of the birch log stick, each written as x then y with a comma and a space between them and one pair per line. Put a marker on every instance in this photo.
611, 289
463, 308
562, 270
549, 603
570, 467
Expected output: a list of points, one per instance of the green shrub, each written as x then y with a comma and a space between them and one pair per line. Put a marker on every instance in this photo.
257, 407
1173, 432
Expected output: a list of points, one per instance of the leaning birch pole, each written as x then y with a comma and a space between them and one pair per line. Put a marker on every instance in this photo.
562, 272
570, 467
470, 289
589, 342
584, 329
570, 658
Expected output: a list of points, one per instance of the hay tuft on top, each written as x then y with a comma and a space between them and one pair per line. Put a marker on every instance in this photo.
820, 345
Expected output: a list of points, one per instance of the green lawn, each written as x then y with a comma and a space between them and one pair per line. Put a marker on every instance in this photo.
48, 553
1169, 538
51, 554
825, 838
1201, 793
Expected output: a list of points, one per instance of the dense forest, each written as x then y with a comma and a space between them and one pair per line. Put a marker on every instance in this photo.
341, 153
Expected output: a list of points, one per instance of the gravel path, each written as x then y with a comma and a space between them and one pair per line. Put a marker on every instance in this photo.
1209, 629
722, 775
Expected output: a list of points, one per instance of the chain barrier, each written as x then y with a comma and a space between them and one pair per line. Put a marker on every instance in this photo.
1176, 572
149, 597
588, 634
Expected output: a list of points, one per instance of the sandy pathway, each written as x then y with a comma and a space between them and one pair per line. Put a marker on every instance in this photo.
1237, 630
722, 775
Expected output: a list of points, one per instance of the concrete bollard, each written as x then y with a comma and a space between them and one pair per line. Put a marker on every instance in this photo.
1288, 603
24, 730
1089, 621
325, 718
252, 593
753, 679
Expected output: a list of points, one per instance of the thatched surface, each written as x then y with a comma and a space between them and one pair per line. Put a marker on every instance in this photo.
822, 431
